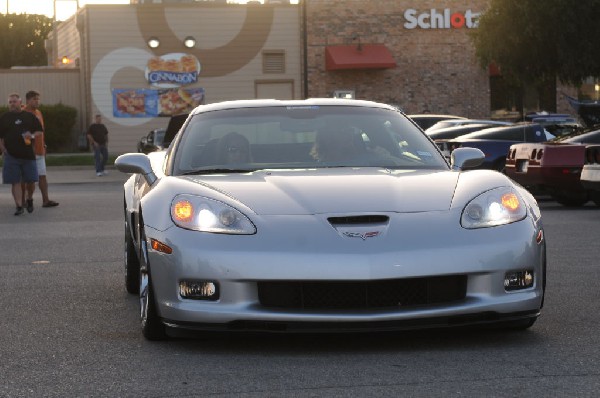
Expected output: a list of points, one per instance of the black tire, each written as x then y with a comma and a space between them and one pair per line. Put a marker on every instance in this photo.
132, 263
521, 324
595, 197
500, 166
570, 199
151, 324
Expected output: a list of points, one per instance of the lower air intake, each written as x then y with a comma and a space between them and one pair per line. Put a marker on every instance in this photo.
362, 294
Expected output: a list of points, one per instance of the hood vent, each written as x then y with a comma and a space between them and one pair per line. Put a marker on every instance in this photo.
357, 220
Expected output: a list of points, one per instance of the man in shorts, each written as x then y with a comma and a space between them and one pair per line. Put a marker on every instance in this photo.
32, 104
18, 129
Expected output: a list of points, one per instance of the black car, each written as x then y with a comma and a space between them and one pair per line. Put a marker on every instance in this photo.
159, 139
448, 133
152, 142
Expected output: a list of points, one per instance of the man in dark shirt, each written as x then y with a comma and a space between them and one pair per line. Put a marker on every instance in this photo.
98, 137
18, 129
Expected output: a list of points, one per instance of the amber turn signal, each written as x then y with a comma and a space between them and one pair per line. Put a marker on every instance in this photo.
160, 247
510, 201
183, 211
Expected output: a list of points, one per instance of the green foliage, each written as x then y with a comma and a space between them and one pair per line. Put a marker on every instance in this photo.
59, 121
535, 42
22, 39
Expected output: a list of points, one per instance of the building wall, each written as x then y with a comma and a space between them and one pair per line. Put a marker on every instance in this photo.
231, 41
436, 68
54, 85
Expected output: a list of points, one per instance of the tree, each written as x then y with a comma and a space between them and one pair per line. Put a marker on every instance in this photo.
534, 42
22, 39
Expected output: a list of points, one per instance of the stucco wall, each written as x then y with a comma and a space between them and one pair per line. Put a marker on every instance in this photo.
230, 43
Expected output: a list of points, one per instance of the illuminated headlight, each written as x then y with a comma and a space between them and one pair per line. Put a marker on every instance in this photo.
199, 290
208, 215
517, 280
498, 206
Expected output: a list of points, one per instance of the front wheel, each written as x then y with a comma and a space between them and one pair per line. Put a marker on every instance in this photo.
521, 324
152, 326
132, 263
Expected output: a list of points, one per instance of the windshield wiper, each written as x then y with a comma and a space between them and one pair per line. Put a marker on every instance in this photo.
217, 171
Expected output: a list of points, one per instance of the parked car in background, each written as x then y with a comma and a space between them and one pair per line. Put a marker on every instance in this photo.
443, 124
151, 142
455, 131
590, 174
588, 111
427, 120
557, 124
324, 215
495, 142
175, 124
553, 167
159, 139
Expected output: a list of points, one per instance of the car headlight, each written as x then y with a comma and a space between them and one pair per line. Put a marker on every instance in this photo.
207, 215
498, 206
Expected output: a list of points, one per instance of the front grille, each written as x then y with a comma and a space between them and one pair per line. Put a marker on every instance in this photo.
360, 295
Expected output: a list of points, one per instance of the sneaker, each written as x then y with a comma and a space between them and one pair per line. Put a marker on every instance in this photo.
50, 203
29, 205
105, 173
19, 211
99, 174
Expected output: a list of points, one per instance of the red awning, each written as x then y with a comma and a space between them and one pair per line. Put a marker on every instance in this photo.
358, 56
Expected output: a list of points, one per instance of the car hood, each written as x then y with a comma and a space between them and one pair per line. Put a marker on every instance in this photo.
342, 190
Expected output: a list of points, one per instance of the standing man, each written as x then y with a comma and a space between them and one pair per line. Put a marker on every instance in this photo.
32, 104
17, 133
98, 137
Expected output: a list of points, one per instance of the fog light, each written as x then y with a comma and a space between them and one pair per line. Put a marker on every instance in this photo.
517, 280
199, 290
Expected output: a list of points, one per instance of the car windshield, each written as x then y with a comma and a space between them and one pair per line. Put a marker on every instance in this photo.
301, 137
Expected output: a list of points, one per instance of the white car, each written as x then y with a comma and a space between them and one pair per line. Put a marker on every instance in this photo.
324, 215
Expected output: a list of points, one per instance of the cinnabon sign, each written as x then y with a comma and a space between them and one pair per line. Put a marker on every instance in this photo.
445, 19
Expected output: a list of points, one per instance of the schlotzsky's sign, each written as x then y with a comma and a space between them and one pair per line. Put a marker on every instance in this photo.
445, 19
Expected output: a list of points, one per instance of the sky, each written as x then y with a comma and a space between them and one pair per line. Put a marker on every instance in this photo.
64, 8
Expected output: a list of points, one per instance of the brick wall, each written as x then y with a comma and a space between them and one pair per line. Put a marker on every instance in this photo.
436, 68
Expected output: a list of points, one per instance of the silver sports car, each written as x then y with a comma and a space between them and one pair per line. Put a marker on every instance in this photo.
324, 215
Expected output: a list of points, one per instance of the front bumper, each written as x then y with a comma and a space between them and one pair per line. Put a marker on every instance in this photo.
238, 264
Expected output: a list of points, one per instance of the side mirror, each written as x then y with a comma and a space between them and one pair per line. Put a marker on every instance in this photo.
136, 163
466, 158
